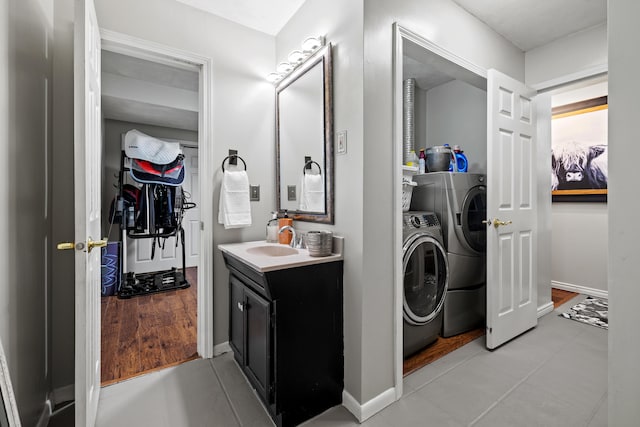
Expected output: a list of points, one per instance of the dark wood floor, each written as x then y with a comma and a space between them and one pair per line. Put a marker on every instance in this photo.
440, 348
149, 332
559, 297
443, 346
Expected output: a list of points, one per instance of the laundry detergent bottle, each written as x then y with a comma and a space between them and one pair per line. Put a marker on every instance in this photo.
461, 159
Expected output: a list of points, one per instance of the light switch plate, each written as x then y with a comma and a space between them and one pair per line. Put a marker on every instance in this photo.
342, 142
254, 193
291, 193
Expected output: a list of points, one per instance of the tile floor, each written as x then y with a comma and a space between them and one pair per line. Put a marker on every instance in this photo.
554, 375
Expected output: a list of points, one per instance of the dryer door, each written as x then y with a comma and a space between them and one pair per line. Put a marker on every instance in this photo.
426, 277
474, 211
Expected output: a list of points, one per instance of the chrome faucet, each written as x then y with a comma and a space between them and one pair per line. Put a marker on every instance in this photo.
293, 232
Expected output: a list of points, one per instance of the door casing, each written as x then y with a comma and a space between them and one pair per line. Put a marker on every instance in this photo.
144, 49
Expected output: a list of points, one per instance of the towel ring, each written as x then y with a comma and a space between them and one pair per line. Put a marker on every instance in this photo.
237, 157
313, 162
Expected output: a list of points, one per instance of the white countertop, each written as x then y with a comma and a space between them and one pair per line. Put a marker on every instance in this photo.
267, 263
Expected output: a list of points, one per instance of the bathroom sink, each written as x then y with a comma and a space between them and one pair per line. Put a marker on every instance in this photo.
272, 250
264, 257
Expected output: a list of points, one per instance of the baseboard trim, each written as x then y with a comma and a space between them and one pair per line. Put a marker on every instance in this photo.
63, 394
370, 408
580, 289
221, 348
43, 421
545, 309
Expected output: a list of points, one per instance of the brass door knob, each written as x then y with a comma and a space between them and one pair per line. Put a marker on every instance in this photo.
96, 244
497, 223
66, 246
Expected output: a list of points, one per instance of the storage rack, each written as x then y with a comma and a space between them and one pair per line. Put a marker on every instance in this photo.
136, 284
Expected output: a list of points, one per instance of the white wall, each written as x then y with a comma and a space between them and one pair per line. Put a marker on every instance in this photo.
25, 242
113, 129
624, 256
342, 25
451, 27
456, 114
580, 237
242, 117
570, 58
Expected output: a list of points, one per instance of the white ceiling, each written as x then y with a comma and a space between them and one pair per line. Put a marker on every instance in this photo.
267, 16
140, 91
526, 23
532, 23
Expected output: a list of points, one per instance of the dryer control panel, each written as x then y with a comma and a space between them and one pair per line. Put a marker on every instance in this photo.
420, 220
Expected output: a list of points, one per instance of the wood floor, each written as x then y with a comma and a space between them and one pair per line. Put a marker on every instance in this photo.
149, 332
559, 296
443, 346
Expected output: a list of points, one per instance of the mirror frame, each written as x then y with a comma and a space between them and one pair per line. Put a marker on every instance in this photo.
323, 55
7, 398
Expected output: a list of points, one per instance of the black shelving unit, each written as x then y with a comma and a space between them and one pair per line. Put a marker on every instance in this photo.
136, 284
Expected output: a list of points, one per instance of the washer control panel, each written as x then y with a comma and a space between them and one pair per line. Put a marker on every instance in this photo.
420, 220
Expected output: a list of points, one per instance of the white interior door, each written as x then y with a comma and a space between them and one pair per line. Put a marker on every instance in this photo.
511, 209
87, 153
191, 220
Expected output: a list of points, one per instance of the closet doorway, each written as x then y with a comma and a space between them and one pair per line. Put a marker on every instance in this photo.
163, 96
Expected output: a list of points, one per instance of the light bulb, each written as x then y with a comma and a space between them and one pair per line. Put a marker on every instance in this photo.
284, 67
295, 57
311, 44
274, 77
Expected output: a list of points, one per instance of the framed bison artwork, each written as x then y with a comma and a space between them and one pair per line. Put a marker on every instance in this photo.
579, 166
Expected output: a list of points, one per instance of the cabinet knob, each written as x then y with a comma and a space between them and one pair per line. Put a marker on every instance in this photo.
240, 306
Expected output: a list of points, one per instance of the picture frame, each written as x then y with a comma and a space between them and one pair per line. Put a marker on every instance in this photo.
579, 166
8, 408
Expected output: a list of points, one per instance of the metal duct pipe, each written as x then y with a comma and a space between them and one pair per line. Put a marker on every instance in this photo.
408, 115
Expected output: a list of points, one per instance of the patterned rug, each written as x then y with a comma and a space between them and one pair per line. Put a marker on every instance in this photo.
593, 311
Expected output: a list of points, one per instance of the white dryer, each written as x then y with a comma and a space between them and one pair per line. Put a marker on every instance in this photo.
426, 277
459, 201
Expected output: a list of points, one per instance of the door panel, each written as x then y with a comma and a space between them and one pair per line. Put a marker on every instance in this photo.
236, 324
191, 221
511, 209
258, 342
87, 156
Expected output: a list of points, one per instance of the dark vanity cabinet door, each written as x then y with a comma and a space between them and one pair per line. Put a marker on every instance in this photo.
236, 324
258, 342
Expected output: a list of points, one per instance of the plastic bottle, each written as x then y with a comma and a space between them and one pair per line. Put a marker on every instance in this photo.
272, 228
421, 161
285, 236
461, 159
413, 159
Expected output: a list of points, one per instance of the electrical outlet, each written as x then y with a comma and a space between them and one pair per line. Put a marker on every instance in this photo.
254, 193
342, 142
291, 193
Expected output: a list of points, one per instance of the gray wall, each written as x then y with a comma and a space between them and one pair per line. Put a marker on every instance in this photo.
457, 115
580, 236
62, 270
113, 129
624, 256
450, 27
25, 131
242, 115
344, 31
567, 59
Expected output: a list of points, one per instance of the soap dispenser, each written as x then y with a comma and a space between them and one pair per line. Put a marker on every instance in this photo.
285, 237
272, 228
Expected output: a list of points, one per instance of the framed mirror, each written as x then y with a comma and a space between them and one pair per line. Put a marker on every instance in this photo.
8, 408
304, 141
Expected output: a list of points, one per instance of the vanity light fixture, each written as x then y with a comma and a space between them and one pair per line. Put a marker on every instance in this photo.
309, 46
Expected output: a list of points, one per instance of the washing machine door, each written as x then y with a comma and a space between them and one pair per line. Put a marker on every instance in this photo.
426, 277
474, 211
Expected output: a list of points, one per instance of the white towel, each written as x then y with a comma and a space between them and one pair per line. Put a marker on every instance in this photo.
235, 209
312, 193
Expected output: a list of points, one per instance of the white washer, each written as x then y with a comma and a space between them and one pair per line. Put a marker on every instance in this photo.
459, 201
426, 277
